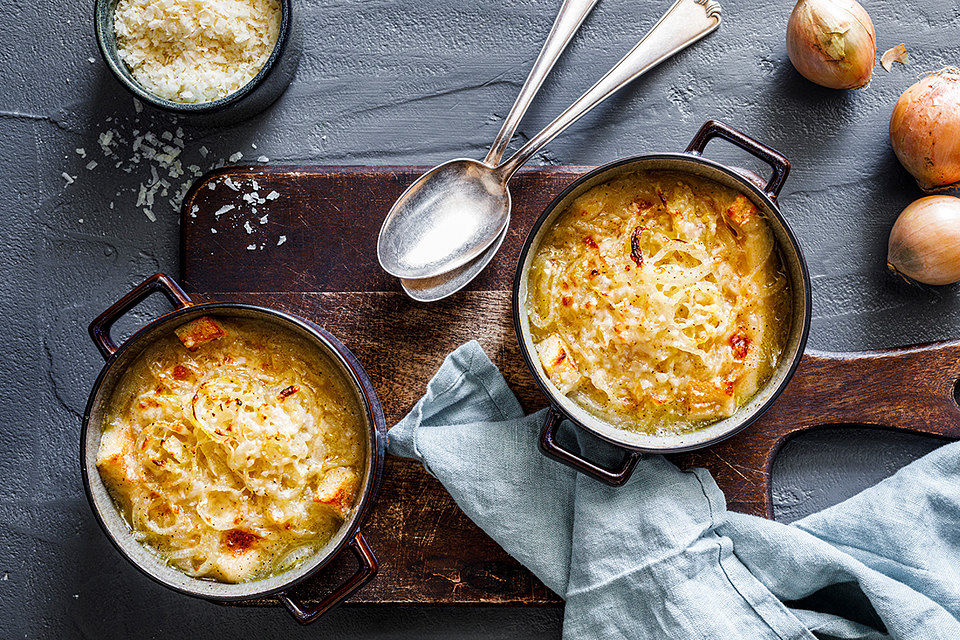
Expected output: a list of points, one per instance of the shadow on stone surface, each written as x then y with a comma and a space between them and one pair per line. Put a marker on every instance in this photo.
820, 468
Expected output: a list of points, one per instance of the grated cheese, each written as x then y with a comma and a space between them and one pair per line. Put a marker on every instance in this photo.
195, 50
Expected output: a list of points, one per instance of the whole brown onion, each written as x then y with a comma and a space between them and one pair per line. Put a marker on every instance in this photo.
925, 241
832, 43
925, 129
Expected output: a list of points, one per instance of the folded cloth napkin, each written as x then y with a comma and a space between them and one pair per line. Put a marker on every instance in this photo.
661, 557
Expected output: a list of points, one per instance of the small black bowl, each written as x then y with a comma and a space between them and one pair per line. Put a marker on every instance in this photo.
249, 100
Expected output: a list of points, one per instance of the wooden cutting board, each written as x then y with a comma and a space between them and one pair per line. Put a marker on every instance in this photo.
303, 239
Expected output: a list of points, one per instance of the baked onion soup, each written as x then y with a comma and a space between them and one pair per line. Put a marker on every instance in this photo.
658, 302
233, 449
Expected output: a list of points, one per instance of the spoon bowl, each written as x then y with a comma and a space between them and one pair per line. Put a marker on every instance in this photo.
447, 284
445, 219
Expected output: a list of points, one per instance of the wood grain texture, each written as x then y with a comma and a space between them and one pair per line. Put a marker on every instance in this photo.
326, 270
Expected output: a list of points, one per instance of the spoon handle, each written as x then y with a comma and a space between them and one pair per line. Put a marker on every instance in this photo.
571, 15
683, 24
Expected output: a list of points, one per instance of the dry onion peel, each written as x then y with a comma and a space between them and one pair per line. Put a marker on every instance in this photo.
895, 54
832, 43
924, 243
925, 130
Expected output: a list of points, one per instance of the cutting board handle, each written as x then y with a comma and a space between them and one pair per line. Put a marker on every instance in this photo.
910, 389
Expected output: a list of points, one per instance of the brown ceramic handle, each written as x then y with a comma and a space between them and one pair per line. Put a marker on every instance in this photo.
550, 448
716, 129
100, 328
365, 571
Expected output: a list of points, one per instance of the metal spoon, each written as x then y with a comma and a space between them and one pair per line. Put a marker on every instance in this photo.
455, 211
447, 284
571, 15
444, 179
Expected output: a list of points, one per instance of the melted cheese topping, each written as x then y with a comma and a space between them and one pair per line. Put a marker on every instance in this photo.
232, 449
658, 302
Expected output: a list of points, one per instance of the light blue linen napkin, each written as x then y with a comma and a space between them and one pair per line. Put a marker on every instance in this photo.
661, 557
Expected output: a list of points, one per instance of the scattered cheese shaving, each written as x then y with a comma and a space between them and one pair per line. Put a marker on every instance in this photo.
224, 209
281, 240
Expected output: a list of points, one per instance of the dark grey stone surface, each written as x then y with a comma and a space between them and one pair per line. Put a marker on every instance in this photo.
411, 81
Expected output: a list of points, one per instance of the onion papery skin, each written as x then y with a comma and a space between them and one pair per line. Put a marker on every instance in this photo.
832, 43
925, 130
924, 243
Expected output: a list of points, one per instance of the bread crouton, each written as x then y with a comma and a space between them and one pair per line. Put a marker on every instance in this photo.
337, 490
198, 332
115, 464
558, 364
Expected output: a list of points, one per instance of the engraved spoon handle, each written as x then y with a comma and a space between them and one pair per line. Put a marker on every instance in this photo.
686, 22
571, 15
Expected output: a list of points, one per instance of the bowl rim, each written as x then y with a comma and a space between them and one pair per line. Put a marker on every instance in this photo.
376, 448
104, 9
553, 394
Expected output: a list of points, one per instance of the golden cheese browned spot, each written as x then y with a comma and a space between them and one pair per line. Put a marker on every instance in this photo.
198, 332
742, 210
740, 343
238, 540
289, 391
